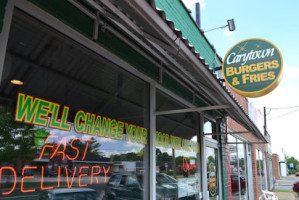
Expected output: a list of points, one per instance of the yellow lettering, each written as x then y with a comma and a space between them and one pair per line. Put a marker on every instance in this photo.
229, 71
245, 77
275, 64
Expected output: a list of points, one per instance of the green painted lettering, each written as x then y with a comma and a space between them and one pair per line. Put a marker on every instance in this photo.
113, 129
128, 131
89, 124
106, 122
64, 125
79, 121
120, 131
42, 113
26, 108
54, 123
144, 136
97, 126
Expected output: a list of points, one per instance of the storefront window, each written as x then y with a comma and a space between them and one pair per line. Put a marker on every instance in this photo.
242, 171
177, 153
238, 169
208, 128
260, 170
76, 128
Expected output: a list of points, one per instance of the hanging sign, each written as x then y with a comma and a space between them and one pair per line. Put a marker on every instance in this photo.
253, 67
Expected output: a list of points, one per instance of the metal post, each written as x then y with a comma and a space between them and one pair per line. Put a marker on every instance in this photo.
197, 7
265, 122
5, 33
152, 143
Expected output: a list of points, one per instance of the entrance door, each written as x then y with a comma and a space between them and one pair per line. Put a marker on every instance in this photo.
211, 186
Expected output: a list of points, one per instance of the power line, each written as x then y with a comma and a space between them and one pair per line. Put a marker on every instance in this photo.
283, 107
280, 108
284, 114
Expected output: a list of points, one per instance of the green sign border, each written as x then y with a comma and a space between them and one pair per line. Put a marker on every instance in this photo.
261, 92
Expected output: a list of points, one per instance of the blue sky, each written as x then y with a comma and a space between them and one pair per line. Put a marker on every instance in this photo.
277, 22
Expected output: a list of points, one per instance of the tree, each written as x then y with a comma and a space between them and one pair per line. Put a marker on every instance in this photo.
92, 153
16, 139
291, 160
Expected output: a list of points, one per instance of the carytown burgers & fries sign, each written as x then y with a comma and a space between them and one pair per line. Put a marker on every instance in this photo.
253, 67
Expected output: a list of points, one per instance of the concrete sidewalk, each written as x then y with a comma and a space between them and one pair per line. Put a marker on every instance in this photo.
286, 195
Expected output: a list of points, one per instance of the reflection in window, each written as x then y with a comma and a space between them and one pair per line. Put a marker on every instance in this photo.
177, 153
78, 124
208, 128
260, 170
238, 169
242, 171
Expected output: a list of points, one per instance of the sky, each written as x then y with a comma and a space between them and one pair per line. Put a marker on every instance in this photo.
277, 22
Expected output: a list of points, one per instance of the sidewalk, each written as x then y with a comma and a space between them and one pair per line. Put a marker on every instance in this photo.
286, 195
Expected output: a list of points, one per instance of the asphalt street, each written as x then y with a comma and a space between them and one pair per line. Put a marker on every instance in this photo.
286, 183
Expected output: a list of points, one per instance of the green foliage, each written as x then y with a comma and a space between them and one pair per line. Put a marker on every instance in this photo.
131, 156
92, 153
292, 160
16, 139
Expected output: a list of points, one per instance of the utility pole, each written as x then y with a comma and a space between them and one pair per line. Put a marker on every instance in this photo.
265, 121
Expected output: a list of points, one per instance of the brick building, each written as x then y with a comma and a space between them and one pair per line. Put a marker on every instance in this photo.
258, 153
276, 171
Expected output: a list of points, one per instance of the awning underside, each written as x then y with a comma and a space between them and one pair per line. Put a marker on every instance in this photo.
149, 31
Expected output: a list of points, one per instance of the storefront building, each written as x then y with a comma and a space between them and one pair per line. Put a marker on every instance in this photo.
250, 160
109, 99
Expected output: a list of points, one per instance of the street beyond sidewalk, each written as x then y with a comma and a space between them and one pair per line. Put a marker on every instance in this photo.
286, 184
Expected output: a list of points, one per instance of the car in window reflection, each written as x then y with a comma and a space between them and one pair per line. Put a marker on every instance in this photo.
130, 186
235, 184
70, 194
166, 187
124, 186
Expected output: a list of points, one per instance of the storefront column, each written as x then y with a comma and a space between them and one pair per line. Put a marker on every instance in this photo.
225, 175
6, 11
152, 144
254, 172
265, 160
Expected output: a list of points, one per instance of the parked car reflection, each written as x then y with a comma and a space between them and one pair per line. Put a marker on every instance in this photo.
70, 194
130, 186
123, 186
235, 184
166, 187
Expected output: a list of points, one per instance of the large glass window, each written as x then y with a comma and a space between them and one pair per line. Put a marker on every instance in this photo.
238, 169
261, 170
177, 153
242, 170
72, 124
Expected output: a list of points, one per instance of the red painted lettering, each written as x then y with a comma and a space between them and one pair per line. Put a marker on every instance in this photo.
88, 140
75, 148
59, 172
62, 142
15, 178
106, 172
42, 181
26, 177
94, 173
47, 146
67, 177
83, 174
